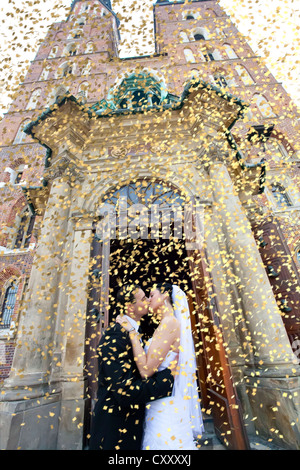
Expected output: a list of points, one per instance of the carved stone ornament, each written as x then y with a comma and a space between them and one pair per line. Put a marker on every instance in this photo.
120, 152
63, 167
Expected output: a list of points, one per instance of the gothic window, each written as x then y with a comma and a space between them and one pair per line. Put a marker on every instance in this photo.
139, 98
208, 56
57, 94
124, 104
87, 68
145, 192
280, 195
275, 150
184, 36
220, 80
45, 72
83, 89
189, 56
21, 136
17, 174
89, 47
32, 103
65, 70
24, 230
198, 37
230, 52
75, 34
298, 254
71, 50
200, 33
53, 52
8, 304
18, 177
264, 106
244, 75
138, 91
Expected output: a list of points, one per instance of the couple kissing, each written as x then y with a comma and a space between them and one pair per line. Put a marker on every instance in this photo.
147, 390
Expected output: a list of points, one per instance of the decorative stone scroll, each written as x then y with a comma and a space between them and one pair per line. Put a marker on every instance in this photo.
64, 167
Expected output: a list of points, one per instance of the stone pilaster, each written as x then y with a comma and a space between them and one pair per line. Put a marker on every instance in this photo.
274, 366
30, 400
70, 435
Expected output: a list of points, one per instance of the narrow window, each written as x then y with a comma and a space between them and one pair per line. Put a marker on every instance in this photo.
280, 195
8, 305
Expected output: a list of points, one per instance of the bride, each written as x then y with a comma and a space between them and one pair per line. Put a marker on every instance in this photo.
174, 422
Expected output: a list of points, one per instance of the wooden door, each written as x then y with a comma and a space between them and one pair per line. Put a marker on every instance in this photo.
282, 272
96, 322
218, 393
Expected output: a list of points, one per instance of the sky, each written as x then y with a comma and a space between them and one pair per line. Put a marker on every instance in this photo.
272, 28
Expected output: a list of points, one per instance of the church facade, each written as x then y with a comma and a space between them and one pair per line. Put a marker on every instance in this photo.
182, 165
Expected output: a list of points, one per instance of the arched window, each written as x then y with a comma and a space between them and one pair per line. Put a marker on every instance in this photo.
57, 94
75, 34
208, 55
45, 72
8, 304
230, 52
65, 69
24, 230
184, 37
244, 75
200, 33
275, 150
53, 52
220, 80
139, 98
83, 90
71, 49
32, 103
138, 90
89, 47
263, 106
189, 56
86, 70
298, 254
280, 195
21, 136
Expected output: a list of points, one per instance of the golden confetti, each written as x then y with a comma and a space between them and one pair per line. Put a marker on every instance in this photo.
149, 145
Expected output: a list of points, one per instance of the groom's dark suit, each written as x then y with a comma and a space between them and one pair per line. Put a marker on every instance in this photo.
117, 422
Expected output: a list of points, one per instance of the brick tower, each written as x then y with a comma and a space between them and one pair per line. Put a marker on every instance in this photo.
202, 109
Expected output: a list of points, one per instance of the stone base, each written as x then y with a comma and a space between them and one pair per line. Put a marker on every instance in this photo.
30, 424
275, 403
71, 428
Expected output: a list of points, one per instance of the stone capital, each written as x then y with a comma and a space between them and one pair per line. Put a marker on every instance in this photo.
64, 165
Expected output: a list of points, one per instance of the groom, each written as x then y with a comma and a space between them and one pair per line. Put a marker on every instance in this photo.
117, 422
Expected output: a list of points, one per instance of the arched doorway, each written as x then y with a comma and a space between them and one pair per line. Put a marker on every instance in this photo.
147, 250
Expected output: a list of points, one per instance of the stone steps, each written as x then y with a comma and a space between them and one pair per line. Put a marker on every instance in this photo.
209, 440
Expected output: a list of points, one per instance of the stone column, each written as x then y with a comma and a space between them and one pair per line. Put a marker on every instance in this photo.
268, 335
70, 435
32, 358
273, 380
30, 401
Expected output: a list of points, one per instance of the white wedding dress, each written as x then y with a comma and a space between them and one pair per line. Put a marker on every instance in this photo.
173, 423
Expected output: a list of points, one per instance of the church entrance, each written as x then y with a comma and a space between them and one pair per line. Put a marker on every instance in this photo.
147, 261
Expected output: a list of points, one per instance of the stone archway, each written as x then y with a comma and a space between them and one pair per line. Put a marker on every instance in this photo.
100, 299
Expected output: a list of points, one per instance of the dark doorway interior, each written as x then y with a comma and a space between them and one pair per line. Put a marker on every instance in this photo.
147, 262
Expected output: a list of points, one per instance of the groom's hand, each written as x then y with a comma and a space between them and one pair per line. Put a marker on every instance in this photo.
174, 366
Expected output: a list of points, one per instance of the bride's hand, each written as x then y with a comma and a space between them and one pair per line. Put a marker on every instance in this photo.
123, 322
